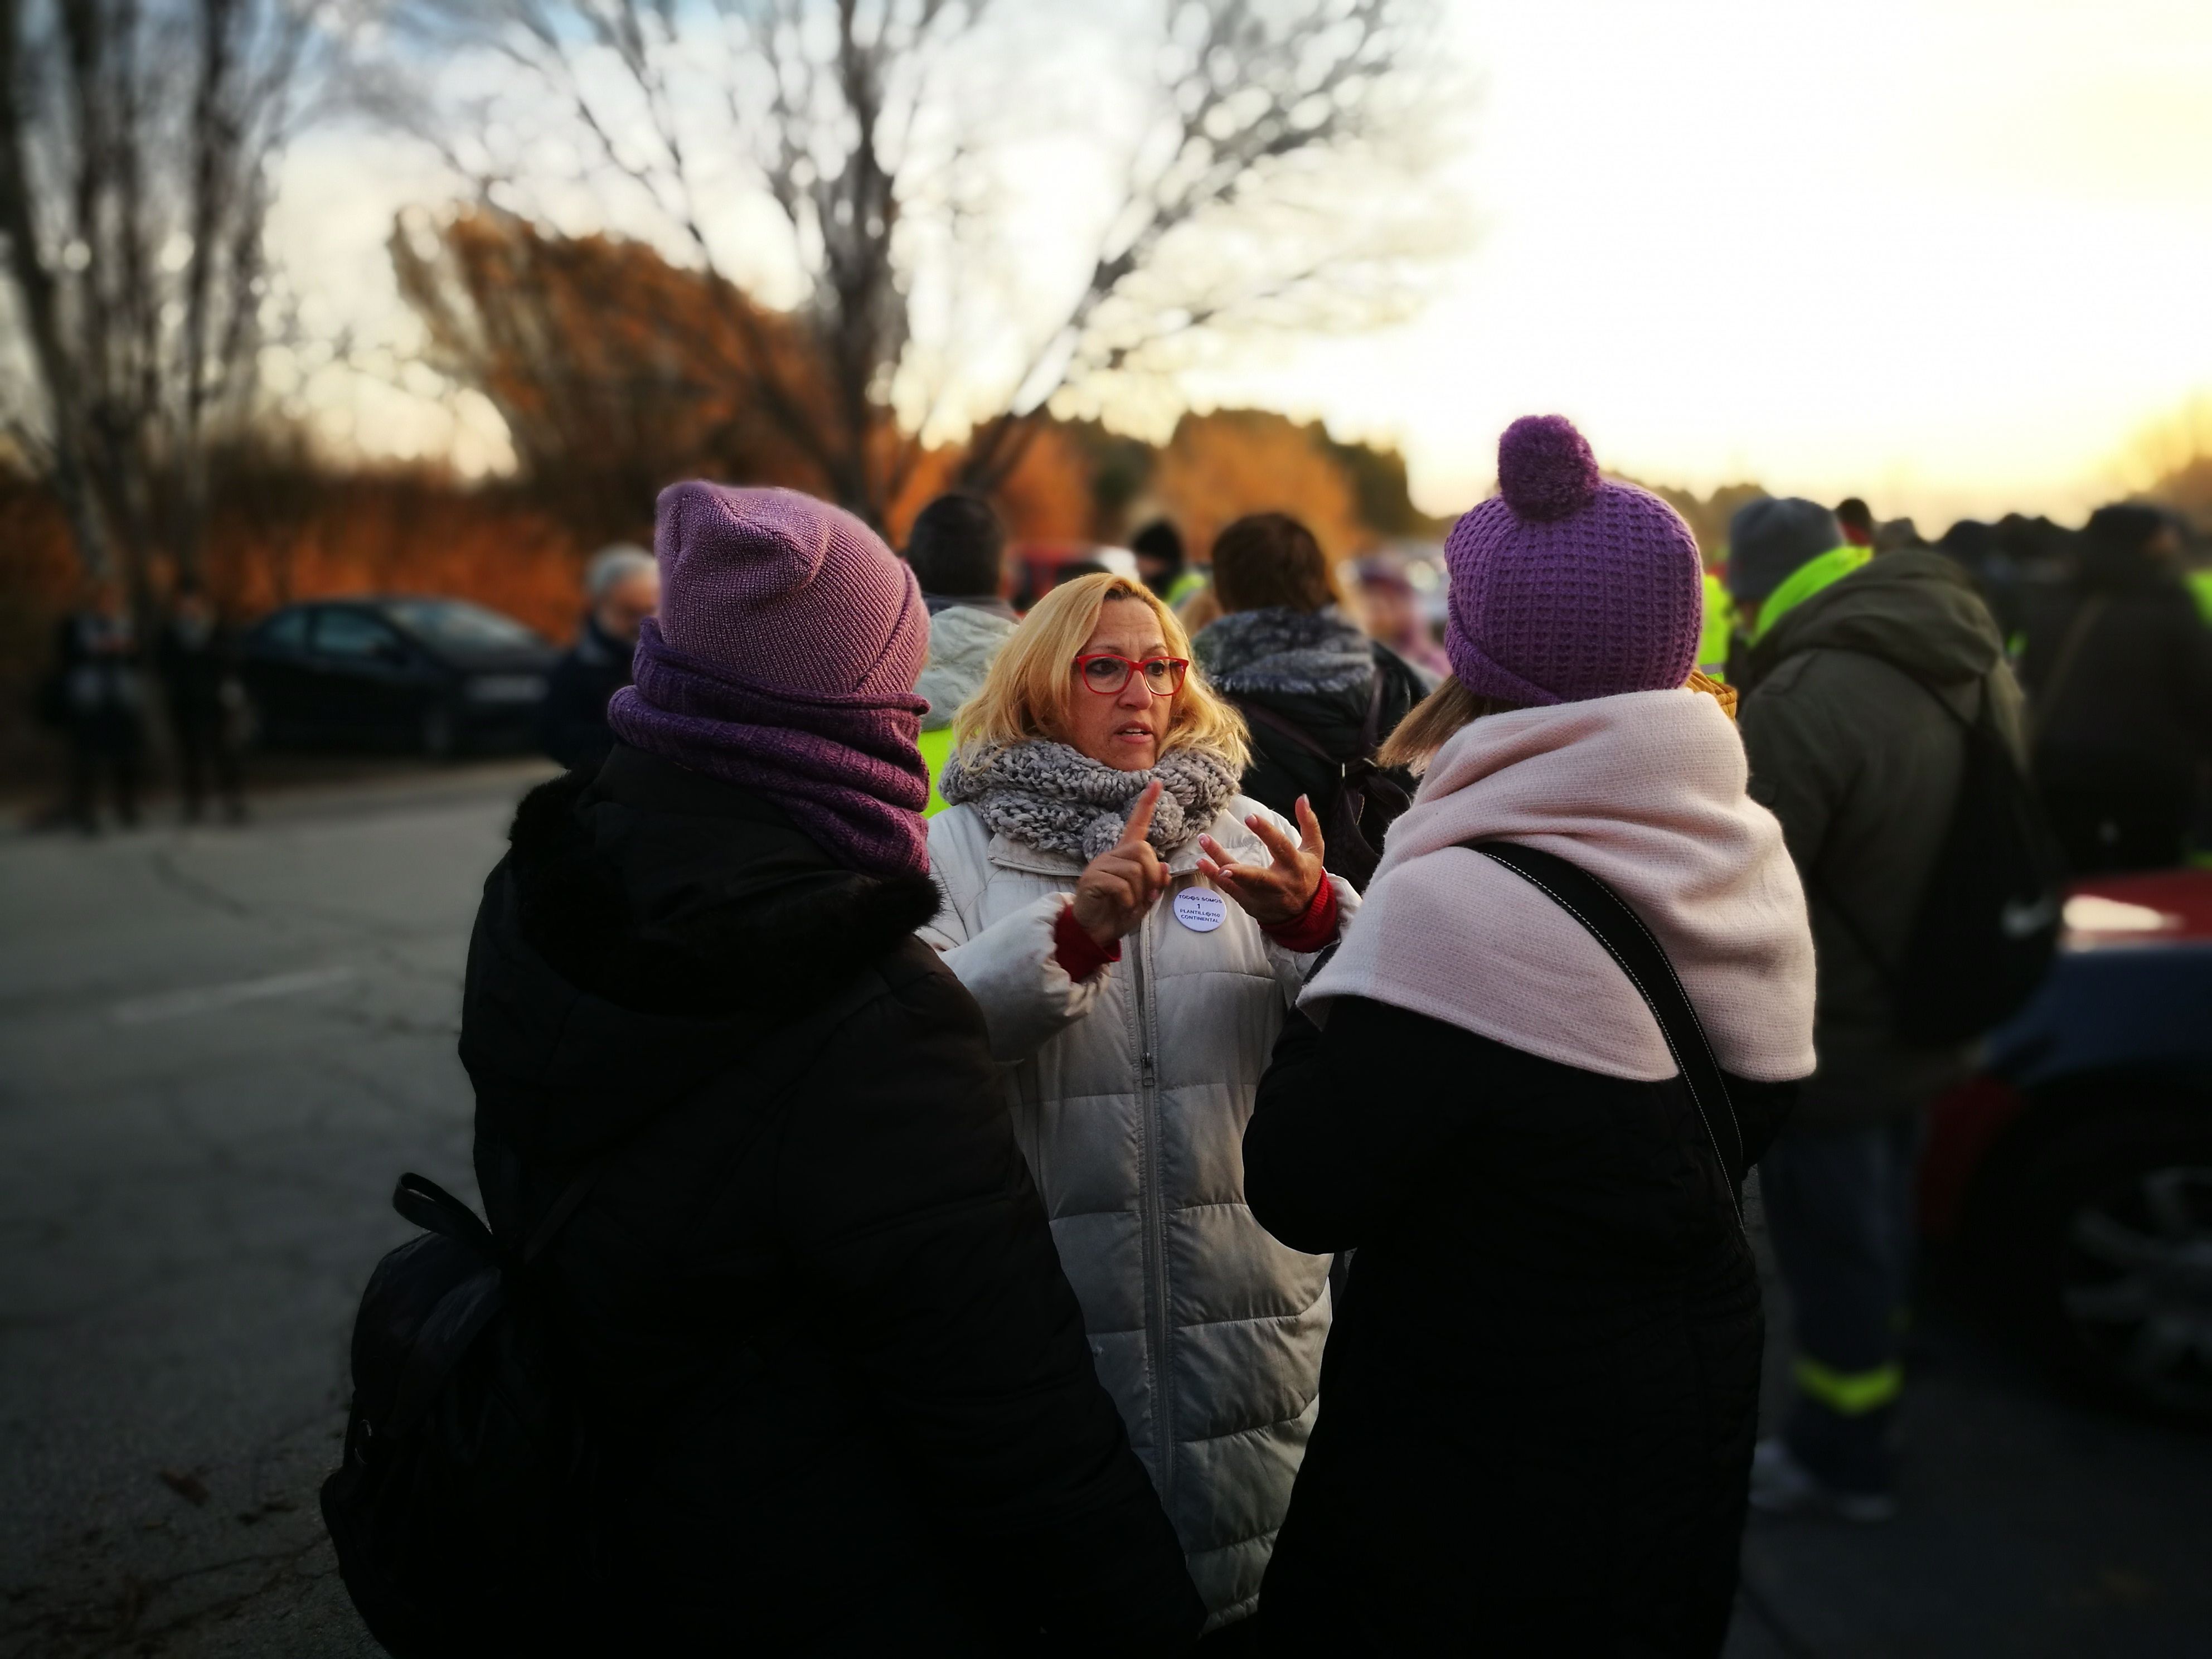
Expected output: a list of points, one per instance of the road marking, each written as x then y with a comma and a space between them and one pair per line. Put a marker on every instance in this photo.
175, 1004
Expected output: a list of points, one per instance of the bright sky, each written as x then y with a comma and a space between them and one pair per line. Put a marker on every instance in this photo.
1954, 255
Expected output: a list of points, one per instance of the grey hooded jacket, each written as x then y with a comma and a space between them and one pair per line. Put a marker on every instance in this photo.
1853, 752
962, 640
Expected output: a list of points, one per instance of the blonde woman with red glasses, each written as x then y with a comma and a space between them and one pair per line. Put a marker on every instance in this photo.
1133, 930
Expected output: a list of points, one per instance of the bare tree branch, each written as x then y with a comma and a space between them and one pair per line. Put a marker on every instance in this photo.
847, 116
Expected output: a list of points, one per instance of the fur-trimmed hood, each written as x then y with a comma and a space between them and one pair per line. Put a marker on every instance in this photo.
1279, 650
648, 926
1316, 672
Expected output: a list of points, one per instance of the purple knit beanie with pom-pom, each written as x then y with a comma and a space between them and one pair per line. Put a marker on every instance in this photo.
1565, 588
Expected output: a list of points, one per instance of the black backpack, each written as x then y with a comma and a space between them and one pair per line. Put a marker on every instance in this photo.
1989, 919
459, 1513
1364, 801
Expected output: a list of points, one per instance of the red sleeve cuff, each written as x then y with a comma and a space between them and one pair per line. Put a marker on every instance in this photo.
1078, 954
1316, 929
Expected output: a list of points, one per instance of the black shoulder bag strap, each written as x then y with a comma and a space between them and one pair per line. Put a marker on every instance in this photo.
1371, 729
1610, 921
1360, 770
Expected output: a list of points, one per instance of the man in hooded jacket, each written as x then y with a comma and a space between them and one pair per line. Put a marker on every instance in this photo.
957, 547
1860, 678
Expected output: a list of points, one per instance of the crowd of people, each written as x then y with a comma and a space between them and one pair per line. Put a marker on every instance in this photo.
1204, 1110
1172, 1116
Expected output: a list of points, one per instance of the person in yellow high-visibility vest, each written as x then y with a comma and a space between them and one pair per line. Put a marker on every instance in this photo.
1719, 629
958, 549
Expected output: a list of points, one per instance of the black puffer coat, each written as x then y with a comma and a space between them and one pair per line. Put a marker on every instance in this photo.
1317, 671
840, 1383
1540, 1395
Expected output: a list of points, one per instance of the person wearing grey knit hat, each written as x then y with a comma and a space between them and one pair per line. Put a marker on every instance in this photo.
1769, 539
1782, 551
1860, 678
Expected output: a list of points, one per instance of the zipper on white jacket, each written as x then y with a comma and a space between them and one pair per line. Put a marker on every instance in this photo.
1156, 1249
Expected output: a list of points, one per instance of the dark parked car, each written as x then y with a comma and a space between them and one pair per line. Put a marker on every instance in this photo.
437, 676
2075, 1172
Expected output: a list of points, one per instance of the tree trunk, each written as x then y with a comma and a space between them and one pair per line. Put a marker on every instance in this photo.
36, 285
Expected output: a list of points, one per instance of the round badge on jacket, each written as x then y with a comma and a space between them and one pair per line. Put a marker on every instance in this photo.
1201, 909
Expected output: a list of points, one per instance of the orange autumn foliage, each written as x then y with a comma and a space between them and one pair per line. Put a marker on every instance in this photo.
1219, 467
615, 371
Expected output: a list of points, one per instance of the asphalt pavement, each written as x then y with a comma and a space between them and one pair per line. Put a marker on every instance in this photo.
219, 1047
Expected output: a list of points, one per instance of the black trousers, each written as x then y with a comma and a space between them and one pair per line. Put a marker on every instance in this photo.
204, 751
1840, 1209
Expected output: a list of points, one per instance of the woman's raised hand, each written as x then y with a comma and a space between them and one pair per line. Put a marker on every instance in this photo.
1280, 892
1117, 887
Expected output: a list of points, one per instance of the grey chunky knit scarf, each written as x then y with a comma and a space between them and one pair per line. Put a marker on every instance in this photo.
1051, 797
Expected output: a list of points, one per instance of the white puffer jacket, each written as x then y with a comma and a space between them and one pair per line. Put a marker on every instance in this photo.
1130, 1091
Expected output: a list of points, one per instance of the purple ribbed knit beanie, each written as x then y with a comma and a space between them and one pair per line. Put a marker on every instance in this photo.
1565, 588
786, 593
783, 660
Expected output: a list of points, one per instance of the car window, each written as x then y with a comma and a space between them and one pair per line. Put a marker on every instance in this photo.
351, 634
458, 622
287, 628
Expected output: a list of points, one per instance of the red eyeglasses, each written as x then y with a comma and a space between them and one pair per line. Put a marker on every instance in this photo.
1106, 673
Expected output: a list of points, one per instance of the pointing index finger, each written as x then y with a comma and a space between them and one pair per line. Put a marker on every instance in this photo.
1140, 819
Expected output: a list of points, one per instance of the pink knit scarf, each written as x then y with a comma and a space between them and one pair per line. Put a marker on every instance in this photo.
1643, 791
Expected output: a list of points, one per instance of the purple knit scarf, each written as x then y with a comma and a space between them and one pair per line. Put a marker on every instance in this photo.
844, 766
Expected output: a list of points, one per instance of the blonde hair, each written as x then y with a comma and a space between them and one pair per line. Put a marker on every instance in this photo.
1431, 723
1032, 679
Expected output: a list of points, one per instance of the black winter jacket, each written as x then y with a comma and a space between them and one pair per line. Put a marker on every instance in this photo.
1317, 671
1540, 1392
572, 721
840, 1383
2130, 713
